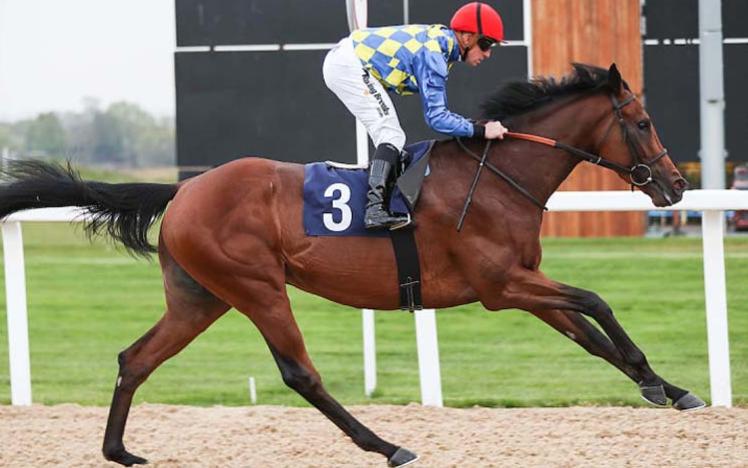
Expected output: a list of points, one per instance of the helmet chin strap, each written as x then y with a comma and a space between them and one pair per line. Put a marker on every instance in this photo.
464, 54
468, 49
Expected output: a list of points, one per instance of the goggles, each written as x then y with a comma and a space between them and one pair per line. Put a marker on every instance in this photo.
485, 43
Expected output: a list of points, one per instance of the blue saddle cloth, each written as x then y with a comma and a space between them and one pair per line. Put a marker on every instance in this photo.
335, 198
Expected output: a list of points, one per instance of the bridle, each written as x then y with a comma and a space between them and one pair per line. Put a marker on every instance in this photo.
639, 173
634, 149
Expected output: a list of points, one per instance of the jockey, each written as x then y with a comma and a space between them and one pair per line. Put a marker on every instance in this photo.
408, 59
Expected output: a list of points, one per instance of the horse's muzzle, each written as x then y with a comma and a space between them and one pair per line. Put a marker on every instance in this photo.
667, 193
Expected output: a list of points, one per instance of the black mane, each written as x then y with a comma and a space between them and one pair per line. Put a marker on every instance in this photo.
518, 97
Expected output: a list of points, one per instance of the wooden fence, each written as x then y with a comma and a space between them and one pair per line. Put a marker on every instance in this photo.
598, 32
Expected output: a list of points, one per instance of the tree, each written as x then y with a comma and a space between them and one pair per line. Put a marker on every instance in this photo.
45, 135
123, 134
6, 137
108, 145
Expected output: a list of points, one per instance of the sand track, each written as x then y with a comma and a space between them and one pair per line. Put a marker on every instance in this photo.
260, 436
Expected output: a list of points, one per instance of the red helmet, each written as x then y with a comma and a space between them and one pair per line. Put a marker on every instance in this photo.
477, 17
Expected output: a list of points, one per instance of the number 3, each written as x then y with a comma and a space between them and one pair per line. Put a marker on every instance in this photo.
339, 203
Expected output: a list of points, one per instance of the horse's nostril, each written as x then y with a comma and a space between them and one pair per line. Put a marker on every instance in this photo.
680, 185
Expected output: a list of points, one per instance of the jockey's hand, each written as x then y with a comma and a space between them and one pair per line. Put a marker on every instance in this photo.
494, 129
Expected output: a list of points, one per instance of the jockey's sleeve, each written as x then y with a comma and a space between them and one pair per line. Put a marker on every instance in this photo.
431, 73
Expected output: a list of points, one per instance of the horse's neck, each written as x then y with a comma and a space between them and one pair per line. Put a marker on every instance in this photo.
537, 168
542, 169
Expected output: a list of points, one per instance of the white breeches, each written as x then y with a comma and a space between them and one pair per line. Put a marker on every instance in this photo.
362, 94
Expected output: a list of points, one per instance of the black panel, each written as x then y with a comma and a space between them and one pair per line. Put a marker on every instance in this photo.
736, 98
671, 74
671, 77
229, 22
735, 18
441, 11
209, 22
384, 13
271, 104
671, 19
467, 89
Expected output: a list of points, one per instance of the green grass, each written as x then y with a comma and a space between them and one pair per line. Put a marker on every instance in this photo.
89, 301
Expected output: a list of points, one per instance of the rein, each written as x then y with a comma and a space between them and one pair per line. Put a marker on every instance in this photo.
483, 162
597, 159
637, 165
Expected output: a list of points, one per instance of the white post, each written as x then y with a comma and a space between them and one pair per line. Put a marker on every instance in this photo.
18, 329
716, 308
367, 315
527, 26
357, 11
252, 390
428, 358
712, 95
370, 352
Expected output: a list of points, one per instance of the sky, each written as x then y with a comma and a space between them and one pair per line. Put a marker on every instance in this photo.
55, 53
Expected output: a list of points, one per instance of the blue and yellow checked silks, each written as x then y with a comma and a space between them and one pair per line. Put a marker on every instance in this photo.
415, 58
389, 52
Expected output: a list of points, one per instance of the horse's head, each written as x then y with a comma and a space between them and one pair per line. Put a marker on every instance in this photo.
628, 138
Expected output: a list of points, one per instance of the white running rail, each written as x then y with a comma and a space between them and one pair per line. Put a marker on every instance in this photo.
712, 202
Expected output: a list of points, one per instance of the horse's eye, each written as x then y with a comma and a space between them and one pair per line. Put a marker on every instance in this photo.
644, 124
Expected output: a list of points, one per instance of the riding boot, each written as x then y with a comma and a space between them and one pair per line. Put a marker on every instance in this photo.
377, 216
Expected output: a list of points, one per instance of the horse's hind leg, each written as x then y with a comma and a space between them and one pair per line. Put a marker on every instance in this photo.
190, 309
272, 315
578, 329
531, 290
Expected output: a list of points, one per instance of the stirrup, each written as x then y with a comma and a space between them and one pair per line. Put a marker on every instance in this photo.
403, 224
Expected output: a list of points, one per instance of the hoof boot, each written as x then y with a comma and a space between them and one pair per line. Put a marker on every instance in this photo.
689, 402
654, 394
402, 457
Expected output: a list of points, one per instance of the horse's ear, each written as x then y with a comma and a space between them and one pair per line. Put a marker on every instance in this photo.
614, 79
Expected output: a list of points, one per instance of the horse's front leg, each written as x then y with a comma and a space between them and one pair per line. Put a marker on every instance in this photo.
530, 290
270, 310
578, 329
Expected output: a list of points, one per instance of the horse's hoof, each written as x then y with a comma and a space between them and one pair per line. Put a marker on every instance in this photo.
402, 457
123, 457
654, 394
689, 402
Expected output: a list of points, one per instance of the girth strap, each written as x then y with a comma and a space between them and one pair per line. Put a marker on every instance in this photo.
408, 268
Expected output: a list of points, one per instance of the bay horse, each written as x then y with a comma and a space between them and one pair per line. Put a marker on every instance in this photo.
233, 237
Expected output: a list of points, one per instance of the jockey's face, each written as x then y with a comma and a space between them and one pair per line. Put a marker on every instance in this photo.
469, 41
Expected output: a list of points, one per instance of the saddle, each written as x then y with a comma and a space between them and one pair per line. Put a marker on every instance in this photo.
335, 194
334, 205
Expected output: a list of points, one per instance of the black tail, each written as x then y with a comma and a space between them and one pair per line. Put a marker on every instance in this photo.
125, 211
